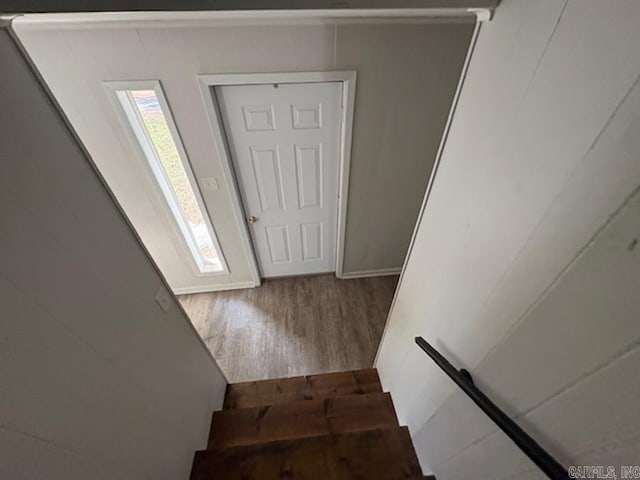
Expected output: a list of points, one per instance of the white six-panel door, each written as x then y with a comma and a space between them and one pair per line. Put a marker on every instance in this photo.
284, 142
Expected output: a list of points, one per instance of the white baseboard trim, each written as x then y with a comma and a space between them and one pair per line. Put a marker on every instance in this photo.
214, 288
381, 272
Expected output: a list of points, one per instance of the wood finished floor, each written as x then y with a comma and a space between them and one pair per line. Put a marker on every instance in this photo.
293, 326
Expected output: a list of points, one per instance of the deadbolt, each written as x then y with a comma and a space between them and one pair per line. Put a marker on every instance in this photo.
252, 219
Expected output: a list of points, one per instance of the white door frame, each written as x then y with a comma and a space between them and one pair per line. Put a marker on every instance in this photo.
348, 79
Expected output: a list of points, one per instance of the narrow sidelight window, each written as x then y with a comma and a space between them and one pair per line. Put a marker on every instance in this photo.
148, 114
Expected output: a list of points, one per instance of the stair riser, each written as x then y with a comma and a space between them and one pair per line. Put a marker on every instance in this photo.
312, 387
372, 455
302, 419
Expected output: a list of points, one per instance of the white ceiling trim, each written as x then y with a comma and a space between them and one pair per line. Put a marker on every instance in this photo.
245, 17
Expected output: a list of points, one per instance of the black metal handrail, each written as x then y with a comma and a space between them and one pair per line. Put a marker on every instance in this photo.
528, 445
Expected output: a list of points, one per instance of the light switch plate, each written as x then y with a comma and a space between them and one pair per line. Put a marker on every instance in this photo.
210, 183
163, 297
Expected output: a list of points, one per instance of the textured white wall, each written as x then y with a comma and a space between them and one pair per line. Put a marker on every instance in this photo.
520, 269
407, 75
96, 381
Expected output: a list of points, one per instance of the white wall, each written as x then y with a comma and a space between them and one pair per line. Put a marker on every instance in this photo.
96, 381
407, 74
519, 269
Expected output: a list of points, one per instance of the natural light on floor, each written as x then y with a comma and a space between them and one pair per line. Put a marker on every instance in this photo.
147, 118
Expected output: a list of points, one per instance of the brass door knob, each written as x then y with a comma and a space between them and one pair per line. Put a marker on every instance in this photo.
252, 219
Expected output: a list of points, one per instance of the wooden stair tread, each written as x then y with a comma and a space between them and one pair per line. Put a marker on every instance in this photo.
286, 390
300, 419
385, 454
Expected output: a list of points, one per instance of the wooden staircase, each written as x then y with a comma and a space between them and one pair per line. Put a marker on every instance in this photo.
332, 426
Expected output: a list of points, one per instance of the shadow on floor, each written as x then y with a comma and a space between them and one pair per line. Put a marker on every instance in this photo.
293, 326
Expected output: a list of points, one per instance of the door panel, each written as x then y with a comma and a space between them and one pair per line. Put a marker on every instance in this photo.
284, 142
311, 234
309, 175
268, 178
278, 243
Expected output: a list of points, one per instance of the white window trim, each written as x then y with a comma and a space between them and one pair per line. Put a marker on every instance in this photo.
130, 117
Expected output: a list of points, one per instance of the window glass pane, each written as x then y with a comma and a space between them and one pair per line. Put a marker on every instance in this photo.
159, 135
